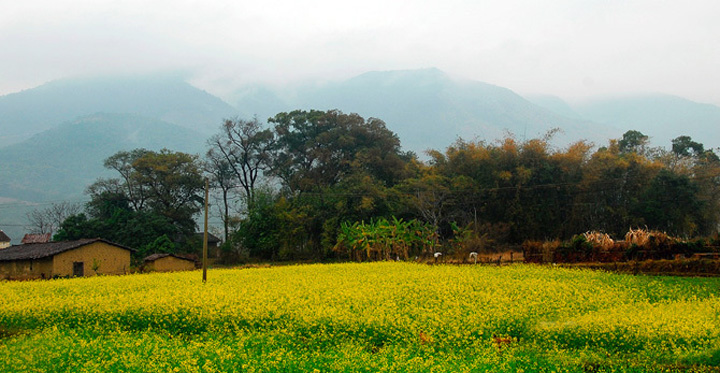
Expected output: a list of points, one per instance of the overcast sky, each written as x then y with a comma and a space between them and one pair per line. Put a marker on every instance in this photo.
569, 48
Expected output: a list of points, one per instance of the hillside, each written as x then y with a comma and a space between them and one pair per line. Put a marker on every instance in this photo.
59, 163
663, 117
170, 99
554, 104
429, 109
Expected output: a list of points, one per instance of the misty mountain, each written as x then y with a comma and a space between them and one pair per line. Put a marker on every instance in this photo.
428, 109
166, 98
259, 101
554, 104
61, 162
662, 117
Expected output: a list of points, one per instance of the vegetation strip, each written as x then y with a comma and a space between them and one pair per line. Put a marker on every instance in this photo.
383, 316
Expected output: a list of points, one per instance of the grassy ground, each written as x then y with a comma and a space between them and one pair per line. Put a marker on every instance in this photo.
373, 317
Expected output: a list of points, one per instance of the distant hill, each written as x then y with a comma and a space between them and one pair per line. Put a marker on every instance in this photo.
428, 109
662, 117
59, 163
555, 104
170, 99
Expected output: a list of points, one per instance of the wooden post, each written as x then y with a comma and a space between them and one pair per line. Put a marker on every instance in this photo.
205, 235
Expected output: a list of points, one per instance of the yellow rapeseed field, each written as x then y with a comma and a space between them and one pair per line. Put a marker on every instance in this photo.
370, 317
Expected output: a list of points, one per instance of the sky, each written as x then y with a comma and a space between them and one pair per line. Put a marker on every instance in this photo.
574, 49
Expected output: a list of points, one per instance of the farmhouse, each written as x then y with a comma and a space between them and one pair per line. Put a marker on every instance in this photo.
168, 263
4, 240
86, 257
213, 243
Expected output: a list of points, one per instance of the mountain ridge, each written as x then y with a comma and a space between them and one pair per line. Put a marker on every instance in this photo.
25, 113
429, 110
60, 162
662, 117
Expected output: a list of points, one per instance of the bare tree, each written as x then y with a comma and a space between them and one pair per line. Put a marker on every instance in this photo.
224, 179
48, 220
246, 147
124, 163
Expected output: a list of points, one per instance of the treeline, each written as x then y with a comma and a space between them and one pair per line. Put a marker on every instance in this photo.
287, 189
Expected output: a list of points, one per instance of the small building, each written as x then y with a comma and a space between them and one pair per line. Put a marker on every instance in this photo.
214, 243
168, 263
85, 257
4, 240
35, 238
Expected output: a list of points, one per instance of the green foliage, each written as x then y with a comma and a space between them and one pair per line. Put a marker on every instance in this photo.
477, 196
685, 146
162, 244
670, 203
155, 196
151, 204
633, 142
383, 239
259, 232
327, 167
317, 149
141, 230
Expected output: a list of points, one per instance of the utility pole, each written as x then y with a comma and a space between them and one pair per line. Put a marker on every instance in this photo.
205, 235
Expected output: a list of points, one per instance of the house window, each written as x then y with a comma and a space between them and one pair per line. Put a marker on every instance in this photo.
78, 269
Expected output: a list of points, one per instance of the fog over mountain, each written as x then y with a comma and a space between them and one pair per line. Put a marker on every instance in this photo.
555, 104
60, 162
662, 117
54, 138
429, 109
163, 97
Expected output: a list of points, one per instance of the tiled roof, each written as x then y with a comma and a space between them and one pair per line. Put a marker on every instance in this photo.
4, 237
44, 250
154, 257
212, 239
36, 238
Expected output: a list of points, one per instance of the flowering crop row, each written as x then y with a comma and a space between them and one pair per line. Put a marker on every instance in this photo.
383, 316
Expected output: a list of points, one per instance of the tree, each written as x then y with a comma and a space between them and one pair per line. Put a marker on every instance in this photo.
174, 185
670, 204
316, 149
611, 188
633, 142
137, 229
684, 146
124, 163
156, 194
222, 178
48, 220
245, 146
317, 154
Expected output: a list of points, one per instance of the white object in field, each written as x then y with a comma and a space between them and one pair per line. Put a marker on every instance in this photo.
437, 254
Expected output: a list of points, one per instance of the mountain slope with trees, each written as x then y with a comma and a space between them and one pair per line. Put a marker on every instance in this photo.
428, 109
165, 98
59, 163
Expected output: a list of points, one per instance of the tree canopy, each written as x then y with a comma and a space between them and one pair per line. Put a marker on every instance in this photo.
304, 177
156, 194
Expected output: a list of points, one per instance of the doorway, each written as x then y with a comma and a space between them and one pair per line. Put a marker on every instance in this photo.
78, 269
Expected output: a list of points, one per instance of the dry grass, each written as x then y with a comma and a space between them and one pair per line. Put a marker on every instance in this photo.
598, 239
644, 237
